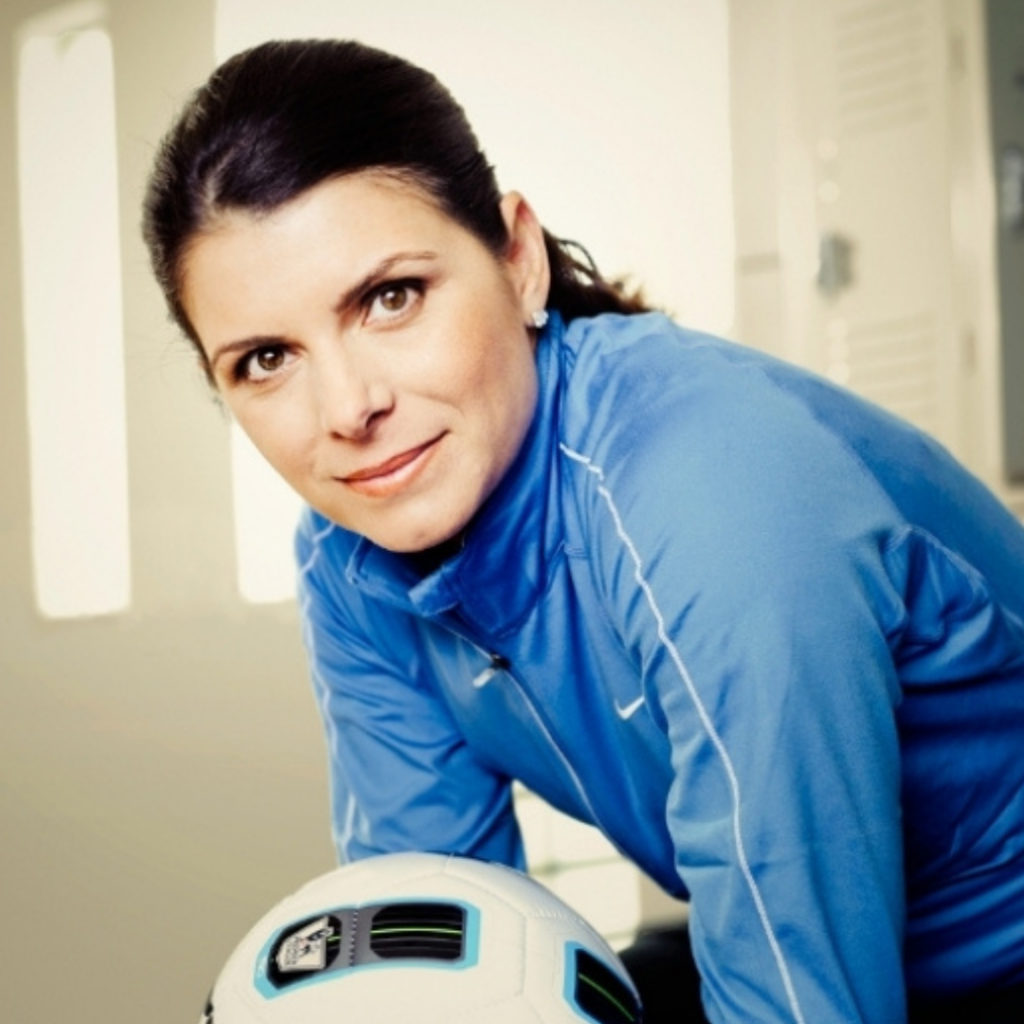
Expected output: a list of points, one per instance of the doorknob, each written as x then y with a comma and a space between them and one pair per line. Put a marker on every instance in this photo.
835, 263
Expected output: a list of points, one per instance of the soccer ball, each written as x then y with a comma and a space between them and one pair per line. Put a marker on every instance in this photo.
419, 938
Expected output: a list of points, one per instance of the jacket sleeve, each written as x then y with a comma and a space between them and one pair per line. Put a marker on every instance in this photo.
402, 777
739, 549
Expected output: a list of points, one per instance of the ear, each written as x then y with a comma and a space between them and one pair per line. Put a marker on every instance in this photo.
527, 257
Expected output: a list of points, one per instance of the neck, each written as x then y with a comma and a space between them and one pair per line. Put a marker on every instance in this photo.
430, 560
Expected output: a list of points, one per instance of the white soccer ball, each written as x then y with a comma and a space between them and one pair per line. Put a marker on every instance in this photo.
419, 938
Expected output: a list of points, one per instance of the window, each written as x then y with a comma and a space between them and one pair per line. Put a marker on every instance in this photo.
67, 163
266, 513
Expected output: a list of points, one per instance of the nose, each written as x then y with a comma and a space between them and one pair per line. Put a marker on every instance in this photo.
350, 397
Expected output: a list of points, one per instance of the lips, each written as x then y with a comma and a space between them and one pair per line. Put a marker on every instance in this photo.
392, 474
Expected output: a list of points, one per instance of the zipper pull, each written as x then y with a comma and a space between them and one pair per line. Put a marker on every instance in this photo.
499, 663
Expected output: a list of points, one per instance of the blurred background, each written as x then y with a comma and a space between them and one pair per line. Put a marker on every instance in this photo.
838, 182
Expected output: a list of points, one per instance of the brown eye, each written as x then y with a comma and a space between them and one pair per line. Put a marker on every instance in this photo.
269, 359
262, 363
394, 301
394, 298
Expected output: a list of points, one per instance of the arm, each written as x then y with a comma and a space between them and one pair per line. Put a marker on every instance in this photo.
740, 549
402, 778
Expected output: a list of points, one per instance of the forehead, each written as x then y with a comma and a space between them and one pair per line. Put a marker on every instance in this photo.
252, 273
351, 222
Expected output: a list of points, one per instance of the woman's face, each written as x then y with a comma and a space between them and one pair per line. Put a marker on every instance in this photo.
375, 351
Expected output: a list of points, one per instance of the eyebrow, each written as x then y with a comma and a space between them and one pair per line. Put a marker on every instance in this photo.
348, 299
354, 295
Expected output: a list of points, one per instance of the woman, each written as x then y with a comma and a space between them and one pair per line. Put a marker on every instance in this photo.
769, 639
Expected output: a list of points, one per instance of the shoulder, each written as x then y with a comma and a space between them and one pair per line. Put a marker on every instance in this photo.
718, 451
623, 369
323, 552
317, 537
642, 394
342, 624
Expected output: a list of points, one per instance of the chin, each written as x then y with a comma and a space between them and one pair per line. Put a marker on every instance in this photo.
443, 545
415, 541
406, 528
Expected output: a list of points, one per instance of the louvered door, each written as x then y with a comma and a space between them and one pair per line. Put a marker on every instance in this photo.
881, 308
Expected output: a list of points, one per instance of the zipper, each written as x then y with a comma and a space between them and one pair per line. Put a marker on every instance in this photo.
499, 663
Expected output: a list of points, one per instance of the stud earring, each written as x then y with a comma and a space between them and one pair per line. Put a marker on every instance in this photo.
539, 318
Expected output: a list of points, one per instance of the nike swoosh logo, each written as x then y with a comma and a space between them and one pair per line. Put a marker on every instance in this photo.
630, 709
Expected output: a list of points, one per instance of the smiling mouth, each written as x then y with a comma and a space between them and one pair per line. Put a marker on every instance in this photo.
392, 475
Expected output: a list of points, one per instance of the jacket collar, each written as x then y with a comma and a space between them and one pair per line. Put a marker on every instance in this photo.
493, 583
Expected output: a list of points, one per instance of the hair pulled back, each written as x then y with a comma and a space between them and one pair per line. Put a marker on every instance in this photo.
280, 118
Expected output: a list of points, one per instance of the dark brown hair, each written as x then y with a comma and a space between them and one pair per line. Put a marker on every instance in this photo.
284, 116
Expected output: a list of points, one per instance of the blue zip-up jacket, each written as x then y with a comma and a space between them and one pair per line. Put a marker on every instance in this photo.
767, 638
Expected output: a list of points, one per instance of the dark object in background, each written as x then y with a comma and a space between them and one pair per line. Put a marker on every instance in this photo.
1005, 32
662, 967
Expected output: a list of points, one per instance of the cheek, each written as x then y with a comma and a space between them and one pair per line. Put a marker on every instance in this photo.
507, 397
479, 361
